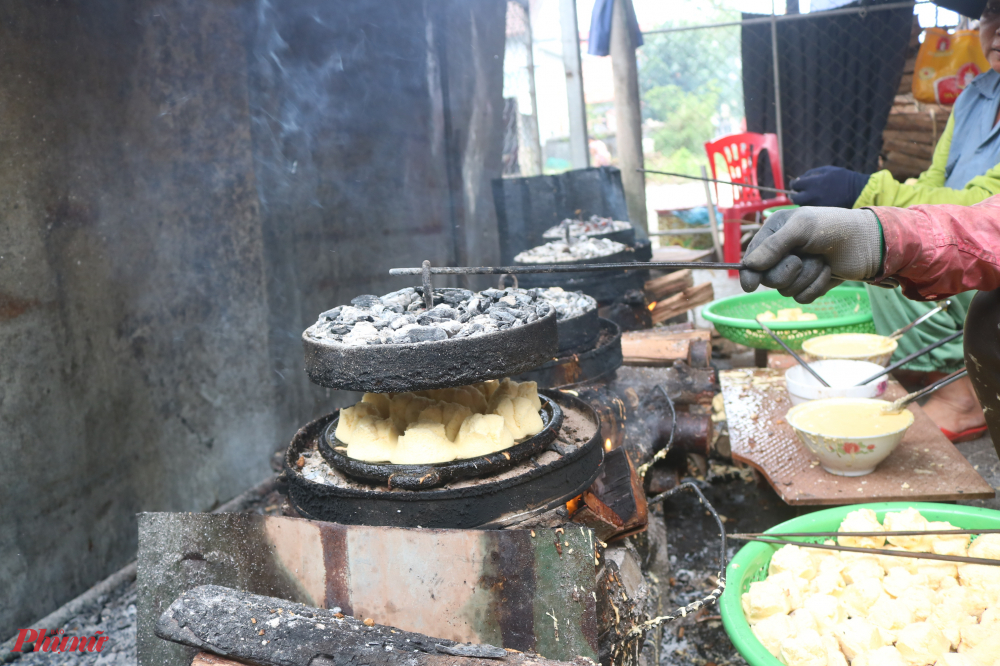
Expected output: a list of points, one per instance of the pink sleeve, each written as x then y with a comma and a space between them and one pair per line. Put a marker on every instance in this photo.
936, 251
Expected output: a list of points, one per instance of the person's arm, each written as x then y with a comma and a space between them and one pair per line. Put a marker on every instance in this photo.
934, 251
939, 251
883, 190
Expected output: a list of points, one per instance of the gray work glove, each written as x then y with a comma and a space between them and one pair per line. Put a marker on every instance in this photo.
806, 252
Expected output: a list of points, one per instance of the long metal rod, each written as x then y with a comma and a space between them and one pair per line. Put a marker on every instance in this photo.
904, 361
785, 535
921, 319
713, 223
871, 551
791, 351
789, 17
898, 405
721, 182
699, 230
777, 90
563, 268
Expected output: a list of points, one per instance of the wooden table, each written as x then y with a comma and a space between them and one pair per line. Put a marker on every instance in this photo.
924, 467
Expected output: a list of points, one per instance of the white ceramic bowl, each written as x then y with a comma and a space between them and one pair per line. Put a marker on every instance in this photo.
842, 376
859, 347
847, 456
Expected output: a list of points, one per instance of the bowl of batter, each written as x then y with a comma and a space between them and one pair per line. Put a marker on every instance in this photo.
849, 436
851, 346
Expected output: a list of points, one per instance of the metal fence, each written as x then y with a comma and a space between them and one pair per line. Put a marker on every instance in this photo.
824, 82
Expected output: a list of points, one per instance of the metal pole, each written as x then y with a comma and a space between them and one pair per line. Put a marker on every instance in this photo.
777, 92
699, 230
629, 115
531, 269
713, 223
791, 17
721, 182
579, 151
536, 141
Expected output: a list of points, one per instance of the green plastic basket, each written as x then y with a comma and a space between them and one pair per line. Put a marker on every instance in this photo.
768, 212
844, 309
751, 562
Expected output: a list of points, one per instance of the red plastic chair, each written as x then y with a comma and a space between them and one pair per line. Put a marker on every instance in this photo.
740, 153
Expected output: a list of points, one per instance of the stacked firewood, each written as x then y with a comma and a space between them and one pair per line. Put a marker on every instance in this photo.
674, 294
913, 128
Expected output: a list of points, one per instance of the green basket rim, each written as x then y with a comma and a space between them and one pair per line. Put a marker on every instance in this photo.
711, 315
730, 606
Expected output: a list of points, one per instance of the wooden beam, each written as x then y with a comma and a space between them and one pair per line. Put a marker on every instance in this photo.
919, 122
682, 302
628, 111
661, 348
275, 632
908, 135
920, 150
660, 288
911, 164
579, 151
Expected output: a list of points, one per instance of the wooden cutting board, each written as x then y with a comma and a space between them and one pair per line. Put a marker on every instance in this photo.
924, 467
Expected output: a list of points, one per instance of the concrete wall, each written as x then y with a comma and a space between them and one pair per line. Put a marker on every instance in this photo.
184, 186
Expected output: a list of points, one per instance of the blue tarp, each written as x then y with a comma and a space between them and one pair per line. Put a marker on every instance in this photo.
600, 27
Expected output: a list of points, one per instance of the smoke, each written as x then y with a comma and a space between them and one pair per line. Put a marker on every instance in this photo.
298, 64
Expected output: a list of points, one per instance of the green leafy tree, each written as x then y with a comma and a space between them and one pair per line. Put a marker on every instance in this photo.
690, 81
687, 117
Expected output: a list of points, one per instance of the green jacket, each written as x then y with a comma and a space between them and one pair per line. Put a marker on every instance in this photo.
890, 309
884, 190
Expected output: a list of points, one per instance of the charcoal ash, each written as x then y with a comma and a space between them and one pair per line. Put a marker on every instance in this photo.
402, 317
115, 616
595, 226
559, 251
568, 304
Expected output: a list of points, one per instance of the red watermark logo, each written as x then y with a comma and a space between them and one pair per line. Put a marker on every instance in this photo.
56, 641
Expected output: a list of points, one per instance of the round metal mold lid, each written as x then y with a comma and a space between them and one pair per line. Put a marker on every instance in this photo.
578, 333
467, 506
603, 286
418, 477
397, 368
581, 367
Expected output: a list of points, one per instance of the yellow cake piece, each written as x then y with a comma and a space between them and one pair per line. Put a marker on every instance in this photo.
482, 434
367, 436
381, 401
861, 520
520, 417
424, 443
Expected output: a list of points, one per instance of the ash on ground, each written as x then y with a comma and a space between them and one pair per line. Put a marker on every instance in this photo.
402, 318
699, 639
595, 226
559, 252
115, 617
568, 304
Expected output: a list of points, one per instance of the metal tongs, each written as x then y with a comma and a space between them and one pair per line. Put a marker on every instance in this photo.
792, 352
899, 405
920, 352
942, 307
